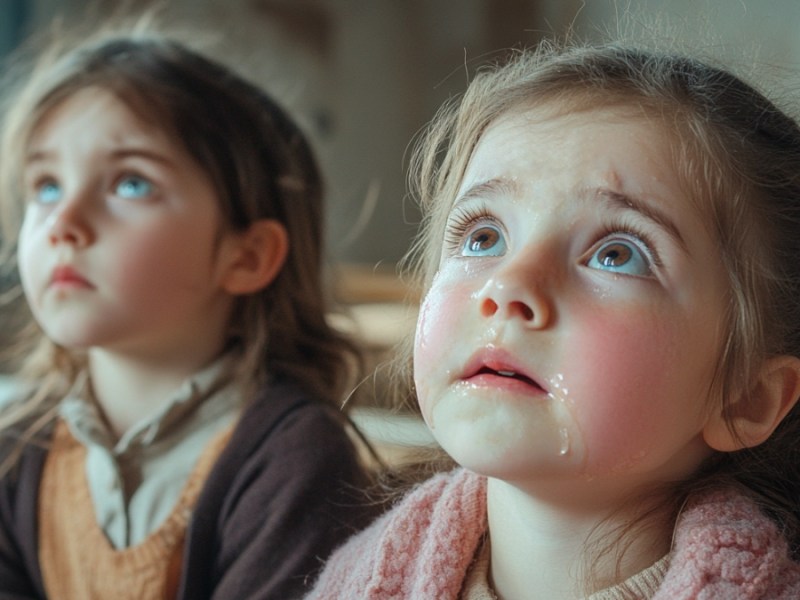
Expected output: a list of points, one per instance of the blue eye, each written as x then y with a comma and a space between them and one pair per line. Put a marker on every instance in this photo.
48, 192
621, 256
133, 186
484, 241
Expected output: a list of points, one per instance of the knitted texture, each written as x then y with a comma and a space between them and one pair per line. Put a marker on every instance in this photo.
725, 548
77, 560
420, 550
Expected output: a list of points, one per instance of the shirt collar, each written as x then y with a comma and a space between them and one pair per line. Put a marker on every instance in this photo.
83, 415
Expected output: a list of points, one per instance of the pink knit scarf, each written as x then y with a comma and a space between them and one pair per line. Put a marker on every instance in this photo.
724, 549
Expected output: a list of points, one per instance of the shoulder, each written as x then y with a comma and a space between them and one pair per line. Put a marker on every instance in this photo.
725, 547
433, 531
456, 497
282, 402
283, 415
21, 464
287, 447
24, 434
289, 479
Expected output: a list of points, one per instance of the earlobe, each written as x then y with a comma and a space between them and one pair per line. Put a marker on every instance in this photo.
756, 415
259, 254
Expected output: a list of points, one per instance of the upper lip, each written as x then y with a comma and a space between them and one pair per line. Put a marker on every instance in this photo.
494, 360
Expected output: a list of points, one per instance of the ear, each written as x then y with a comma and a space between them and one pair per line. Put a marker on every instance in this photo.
257, 256
756, 415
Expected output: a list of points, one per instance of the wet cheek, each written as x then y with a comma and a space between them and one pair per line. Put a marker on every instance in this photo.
440, 315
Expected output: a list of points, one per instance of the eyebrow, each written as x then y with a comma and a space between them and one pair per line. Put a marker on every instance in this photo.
502, 186
119, 153
497, 186
647, 210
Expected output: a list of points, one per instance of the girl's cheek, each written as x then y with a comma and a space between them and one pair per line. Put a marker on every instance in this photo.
621, 389
429, 333
30, 269
427, 350
445, 314
434, 342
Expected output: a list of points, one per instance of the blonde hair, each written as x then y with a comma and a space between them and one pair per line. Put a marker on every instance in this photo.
260, 163
739, 160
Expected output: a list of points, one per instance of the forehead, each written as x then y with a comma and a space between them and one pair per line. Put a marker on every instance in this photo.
554, 125
96, 117
593, 147
143, 103
90, 101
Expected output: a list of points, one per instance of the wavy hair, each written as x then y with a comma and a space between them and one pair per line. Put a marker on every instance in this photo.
260, 164
738, 157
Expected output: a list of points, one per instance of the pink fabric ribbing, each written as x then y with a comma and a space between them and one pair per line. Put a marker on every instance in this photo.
725, 548
420, 550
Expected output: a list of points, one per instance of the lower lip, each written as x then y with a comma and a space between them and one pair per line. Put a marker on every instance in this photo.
509, 384
70, 283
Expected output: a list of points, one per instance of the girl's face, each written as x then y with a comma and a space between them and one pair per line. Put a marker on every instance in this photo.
574, 325
121, 243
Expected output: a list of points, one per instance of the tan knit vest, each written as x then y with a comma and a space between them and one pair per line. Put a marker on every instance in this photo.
76, 558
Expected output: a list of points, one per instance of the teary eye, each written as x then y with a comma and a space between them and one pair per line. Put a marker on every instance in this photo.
484, 241
474, 231
620, 255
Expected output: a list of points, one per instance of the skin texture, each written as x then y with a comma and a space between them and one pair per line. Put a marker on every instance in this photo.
121, 251
573, 258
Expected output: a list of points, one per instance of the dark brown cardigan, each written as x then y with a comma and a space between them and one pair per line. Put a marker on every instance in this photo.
284, 493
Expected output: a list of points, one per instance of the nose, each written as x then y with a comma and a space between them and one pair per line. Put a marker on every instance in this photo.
68, 224
517, 293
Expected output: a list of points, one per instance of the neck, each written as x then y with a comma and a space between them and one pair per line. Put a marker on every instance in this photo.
131, 388
541, 549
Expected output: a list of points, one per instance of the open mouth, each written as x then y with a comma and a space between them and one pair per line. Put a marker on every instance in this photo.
485, 372
509, 374
494, 367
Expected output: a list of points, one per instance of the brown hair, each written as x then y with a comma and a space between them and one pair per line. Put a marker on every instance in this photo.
260, 163
738, 155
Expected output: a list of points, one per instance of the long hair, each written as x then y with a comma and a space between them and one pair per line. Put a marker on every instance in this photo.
261, 166
738, 158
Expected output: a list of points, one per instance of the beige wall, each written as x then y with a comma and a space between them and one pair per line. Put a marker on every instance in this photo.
365, 75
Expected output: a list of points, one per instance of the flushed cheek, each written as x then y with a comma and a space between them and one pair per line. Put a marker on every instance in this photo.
437, 341
625, 390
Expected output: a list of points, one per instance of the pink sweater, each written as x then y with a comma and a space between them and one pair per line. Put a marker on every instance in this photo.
724, 548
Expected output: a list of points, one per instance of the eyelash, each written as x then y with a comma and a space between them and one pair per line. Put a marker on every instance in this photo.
40, 180
624, 226
465, 218
36, 183
461, 221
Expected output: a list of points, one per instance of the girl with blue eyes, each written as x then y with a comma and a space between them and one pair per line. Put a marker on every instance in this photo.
609, 344
179, 436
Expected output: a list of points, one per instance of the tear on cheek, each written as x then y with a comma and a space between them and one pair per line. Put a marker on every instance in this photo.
430, 308
570, 437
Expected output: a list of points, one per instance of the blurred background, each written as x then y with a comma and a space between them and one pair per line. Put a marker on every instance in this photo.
364, 76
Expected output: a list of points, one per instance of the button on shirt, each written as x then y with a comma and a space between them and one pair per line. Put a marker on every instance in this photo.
135, 481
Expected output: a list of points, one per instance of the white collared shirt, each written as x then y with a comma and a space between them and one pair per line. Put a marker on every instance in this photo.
135, 481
